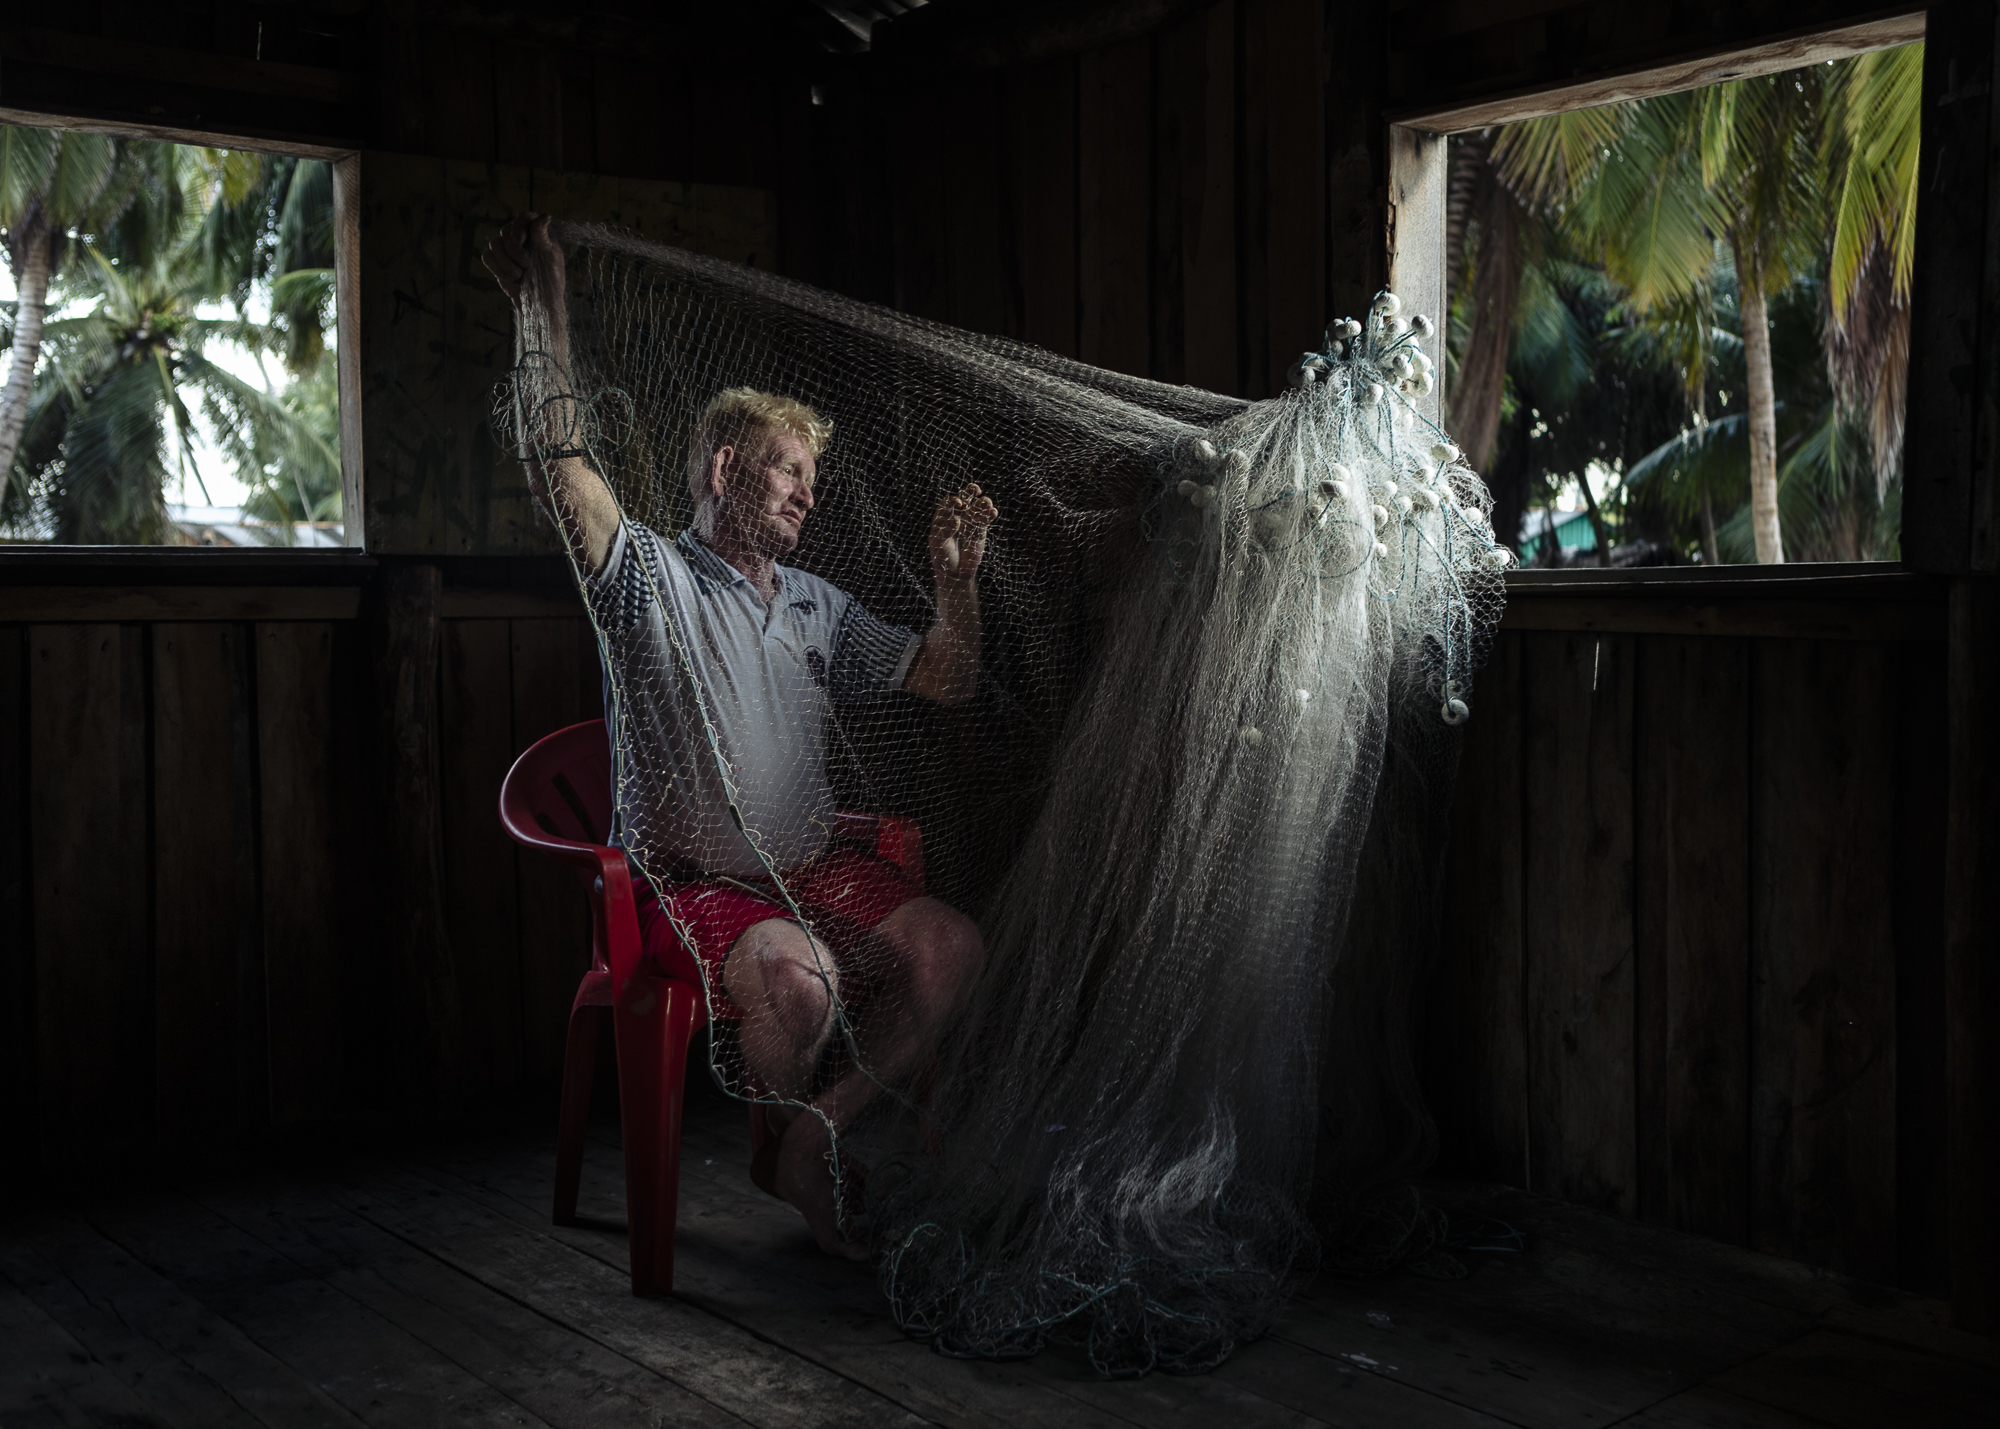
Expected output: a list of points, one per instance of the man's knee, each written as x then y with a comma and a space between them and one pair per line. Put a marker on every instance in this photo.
776, 970
944, 951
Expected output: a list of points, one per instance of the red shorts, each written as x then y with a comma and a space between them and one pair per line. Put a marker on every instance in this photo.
844, 894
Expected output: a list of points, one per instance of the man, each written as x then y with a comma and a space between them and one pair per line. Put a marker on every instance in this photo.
725, 792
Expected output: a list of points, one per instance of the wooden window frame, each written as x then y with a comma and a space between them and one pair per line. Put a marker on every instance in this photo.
1418, 150
346, 164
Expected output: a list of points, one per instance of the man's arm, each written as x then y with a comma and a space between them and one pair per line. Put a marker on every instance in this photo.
529, 266
947, 664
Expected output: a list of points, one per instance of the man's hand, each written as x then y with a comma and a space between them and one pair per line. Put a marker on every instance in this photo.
530, 268
947, 667
958, 534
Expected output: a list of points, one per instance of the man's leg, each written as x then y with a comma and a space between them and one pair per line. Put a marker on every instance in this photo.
787, 989
926, 957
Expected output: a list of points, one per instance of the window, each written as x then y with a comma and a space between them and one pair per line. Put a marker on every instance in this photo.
179, 338
1608, 256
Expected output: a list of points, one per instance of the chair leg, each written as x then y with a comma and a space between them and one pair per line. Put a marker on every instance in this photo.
579, 1071
655, 1019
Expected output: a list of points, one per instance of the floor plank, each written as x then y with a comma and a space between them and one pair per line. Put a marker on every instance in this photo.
1714, 1271
724, 1365
561, 1376
749, 1259
1494, 1364
47, 1377
1710, 1408
1341, 1392
424, 1285
1853, 1383
189, 1366
377, 1372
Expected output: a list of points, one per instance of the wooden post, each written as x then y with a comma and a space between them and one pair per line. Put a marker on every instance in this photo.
1417, 166
1954, 419
347, 324
409, 601
1972, 955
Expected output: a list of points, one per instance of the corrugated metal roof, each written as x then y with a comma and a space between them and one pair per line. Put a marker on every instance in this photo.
857, 18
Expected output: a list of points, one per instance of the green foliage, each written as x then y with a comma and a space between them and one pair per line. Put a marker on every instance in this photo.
285, 448
277, 230
124, 367
1588, 393
1871, 125
1642, 215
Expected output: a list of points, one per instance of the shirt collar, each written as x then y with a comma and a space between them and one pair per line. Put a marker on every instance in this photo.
704, 562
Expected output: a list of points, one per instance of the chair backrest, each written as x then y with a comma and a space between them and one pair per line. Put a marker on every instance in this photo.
557, 797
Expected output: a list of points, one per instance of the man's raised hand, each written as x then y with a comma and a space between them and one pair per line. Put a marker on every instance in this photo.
529, 266
958, 533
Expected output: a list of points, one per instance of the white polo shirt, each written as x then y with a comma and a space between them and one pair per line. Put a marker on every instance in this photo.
695, 793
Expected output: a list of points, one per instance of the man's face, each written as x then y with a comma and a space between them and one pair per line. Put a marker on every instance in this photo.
767, 491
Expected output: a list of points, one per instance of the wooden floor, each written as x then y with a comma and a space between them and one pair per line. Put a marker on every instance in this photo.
428, 1288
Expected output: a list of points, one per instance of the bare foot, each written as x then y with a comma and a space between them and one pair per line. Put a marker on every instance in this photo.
805, 1178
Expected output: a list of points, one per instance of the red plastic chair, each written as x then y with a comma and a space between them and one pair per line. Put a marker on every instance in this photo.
557, 798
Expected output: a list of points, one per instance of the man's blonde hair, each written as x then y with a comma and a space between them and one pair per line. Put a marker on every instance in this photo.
734, 413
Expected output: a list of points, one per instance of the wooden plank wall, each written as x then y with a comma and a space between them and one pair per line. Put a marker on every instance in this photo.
187, 811
1692, 968
1158, 206
1692, 972
436, 332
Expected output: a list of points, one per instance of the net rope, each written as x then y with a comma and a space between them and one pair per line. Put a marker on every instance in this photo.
1195, 805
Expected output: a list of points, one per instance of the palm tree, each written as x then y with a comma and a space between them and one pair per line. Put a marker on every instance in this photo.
1734, 168
112, 414
53, 183
292, 468
272, 223
1872, 126
1541, 341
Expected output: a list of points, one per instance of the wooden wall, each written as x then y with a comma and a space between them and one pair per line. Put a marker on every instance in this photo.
1693, 967
436, 333
190, 865
1190, 204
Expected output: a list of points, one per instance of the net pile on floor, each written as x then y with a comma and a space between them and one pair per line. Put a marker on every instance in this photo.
1225, 646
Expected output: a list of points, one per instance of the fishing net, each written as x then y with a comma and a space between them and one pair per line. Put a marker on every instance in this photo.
1225, 648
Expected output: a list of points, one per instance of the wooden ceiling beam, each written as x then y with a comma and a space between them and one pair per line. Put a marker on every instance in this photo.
1792, 50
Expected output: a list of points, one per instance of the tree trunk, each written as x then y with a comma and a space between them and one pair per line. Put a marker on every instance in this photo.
1763, 417
1508, 479
1597, 526
31, 285
1709, 553
1480, 381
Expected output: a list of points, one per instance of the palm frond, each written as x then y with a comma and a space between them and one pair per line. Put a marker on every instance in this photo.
113, 463
256, 429
26, 156
1546, 161
1872, 130
1551, 345
305, 222
83, 169
1712, 459
302, 310
1648, 211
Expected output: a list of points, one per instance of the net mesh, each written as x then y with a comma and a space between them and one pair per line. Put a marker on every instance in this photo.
1194, 806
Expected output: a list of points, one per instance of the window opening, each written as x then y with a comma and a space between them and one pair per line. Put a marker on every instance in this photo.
1606, 270
172, 343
